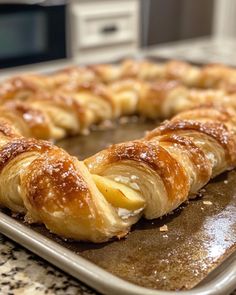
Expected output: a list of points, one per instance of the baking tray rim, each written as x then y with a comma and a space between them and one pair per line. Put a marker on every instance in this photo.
95, 276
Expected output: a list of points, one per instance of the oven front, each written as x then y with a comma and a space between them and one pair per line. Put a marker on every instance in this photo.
31, 32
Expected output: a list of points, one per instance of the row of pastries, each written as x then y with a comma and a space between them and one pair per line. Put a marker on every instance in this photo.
103, 196
70, 101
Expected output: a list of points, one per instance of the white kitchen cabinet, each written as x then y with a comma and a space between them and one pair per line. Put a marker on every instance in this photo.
104, 30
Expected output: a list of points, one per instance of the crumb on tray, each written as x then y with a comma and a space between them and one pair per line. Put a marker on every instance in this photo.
164, 228
207, 202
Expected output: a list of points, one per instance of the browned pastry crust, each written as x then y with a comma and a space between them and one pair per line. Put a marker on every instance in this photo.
215, 76
57, 114
30, 122
210, 76
21, 87
217, 131
162, 170
74, 107
53, 188
70, 101
103, 196
218, 76
172, 162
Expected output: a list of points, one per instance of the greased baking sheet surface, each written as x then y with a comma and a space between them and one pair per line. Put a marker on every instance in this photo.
199, 235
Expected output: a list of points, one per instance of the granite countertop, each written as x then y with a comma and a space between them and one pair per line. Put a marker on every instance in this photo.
25, 273
200, 50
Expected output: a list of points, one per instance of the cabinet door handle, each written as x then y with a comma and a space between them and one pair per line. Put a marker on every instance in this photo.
109, 29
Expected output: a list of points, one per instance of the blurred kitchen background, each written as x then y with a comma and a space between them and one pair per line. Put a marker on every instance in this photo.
91, 31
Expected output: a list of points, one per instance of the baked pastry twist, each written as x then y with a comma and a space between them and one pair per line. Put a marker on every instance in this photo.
173, 161
163, 99
57, 114
23, 86
71, 109
103, 196
210, 76
74, 107
148, 71
51, 187
218, 76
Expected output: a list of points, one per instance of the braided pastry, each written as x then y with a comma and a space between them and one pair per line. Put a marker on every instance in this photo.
209, 76
173, 161
22, 87
218, 76
103, 196
147, 70
49, 186
57, 114
74, 107
163, 99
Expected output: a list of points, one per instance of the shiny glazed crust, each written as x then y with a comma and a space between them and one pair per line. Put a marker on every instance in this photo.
163, 169
70, 101
166, 167
74, 107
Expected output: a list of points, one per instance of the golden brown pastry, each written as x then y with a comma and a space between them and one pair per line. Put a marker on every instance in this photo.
172, 162
166, 98
70, 101
103, 196
21, 87
148, 71
71, 75
51, 187
74, 107
25, 85
210, 76
142, 69
57, 114
44, 116
163, 99
95, 98
218, 76
29, 121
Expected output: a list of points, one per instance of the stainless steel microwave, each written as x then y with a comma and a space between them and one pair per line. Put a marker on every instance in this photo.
32, 31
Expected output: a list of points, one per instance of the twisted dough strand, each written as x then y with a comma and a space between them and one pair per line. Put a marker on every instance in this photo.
78, 200
209, 76
74, 108
103, 196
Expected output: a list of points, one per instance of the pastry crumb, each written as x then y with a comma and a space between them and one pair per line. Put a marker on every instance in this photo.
225, 181
207, 202
164, 228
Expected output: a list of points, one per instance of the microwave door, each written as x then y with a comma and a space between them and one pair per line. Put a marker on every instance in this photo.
31, 33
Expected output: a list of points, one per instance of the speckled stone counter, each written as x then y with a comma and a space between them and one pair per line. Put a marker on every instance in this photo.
22, 272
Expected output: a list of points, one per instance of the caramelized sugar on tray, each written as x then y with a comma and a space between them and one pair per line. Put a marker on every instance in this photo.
200, 234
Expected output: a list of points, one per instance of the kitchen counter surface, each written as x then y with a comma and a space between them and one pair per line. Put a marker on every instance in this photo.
202, 50
25, 273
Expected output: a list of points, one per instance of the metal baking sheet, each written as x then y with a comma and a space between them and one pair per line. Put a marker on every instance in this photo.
197, 255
